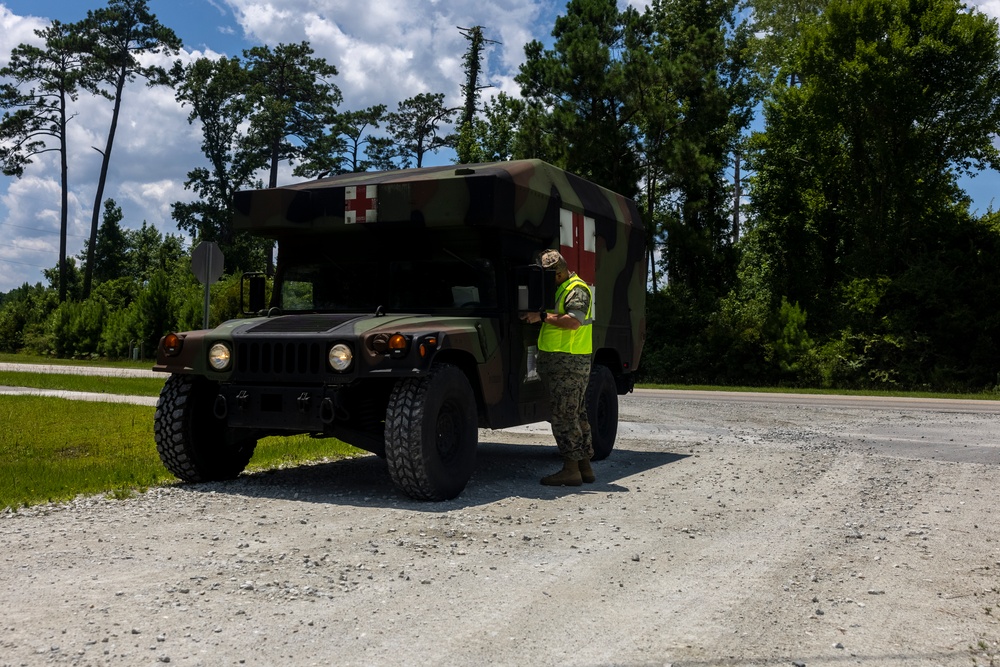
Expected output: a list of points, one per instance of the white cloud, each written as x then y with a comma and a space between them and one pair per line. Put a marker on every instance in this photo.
16, 30
988, 7
391, 50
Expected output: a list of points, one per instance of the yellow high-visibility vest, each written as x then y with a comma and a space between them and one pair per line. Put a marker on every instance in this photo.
579, 341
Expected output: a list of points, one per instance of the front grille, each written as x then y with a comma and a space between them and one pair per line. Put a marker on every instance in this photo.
294, 360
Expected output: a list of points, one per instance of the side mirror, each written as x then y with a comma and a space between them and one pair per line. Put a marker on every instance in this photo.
536, 288
252, 288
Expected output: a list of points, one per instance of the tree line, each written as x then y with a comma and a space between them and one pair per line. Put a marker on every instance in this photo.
797, 165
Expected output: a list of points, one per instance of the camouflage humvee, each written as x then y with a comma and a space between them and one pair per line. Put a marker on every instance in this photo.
394, 323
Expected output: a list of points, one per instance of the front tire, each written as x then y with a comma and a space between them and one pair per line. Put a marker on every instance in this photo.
602, 411
192, 443
431, 434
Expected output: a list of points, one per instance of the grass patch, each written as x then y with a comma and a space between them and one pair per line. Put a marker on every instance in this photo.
53, 449
93, 383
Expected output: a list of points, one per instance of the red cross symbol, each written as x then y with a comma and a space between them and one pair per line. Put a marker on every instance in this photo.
578, 244
360, 203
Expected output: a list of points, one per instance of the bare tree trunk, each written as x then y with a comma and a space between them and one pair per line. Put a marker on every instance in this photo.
64, 200
102, 181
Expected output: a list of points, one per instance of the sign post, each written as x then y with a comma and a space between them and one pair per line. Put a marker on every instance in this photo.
207, 264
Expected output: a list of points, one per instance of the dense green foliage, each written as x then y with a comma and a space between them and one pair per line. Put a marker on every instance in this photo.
851, 260
153, 292
858, 218
212, 89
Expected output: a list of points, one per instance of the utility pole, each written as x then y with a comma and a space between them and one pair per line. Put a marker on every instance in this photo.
736, 202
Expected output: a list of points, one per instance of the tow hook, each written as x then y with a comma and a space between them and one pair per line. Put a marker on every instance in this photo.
220, 409
304, 400
326, 411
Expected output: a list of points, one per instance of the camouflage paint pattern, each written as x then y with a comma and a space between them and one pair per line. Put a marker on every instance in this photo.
566, 377
522, 196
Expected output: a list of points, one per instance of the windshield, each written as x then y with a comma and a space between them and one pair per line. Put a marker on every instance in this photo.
321, 281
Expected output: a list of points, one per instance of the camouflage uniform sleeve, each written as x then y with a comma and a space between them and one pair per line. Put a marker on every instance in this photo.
578, 303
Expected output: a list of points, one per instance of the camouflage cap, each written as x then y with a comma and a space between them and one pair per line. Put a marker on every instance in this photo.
551, 259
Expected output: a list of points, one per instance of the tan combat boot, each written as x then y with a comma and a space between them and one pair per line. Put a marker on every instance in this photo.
568, 476
586, 472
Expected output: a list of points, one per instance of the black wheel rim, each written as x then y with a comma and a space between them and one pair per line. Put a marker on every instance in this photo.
603, 408
448, 432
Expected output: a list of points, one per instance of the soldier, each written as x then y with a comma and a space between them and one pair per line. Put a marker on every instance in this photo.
565, 345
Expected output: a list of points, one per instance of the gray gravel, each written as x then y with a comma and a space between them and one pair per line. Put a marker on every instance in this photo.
718, 533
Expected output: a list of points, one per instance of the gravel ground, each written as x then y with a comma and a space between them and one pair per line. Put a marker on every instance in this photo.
718, 533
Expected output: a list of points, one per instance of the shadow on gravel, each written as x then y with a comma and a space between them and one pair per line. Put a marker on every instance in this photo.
502, 471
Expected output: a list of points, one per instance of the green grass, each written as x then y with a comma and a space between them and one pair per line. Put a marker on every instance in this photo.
53, 449
91, 383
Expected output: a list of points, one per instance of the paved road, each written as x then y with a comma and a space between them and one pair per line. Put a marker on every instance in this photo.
81, 370
832, 400
94, 397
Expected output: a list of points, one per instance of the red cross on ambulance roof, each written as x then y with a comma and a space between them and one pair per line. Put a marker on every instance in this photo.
360, 203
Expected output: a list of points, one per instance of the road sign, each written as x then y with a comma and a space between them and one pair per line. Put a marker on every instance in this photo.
207, 262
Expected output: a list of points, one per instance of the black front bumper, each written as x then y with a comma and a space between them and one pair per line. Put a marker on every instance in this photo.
278, 408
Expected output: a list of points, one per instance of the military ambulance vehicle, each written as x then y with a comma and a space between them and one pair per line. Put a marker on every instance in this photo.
394, 320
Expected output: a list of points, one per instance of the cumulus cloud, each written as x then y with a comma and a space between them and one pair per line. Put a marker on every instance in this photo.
16, 30
394, 49
988, 7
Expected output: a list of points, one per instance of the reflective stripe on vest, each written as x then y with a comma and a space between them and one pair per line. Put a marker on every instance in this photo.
580, 341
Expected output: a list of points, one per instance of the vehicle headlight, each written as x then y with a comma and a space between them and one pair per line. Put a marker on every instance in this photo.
220, 356
340, 357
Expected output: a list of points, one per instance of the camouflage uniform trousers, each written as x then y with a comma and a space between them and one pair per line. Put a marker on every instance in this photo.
566, 377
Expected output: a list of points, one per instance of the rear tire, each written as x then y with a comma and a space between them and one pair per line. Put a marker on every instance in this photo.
431, 434
193, 444
602, 411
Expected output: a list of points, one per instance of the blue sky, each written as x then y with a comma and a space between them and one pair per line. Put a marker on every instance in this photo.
385, 51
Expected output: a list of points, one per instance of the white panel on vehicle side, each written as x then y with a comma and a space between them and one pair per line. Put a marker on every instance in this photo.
566, 227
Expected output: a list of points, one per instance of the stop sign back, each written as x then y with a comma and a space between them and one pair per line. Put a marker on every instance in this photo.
207, 262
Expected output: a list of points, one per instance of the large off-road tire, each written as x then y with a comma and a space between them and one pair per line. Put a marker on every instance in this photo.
431, 434
602, 411
193, 444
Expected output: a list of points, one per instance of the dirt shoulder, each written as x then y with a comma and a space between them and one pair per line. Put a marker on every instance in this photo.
718, 533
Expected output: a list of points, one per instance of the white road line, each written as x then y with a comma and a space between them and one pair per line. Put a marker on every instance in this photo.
82, 370
79, 395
